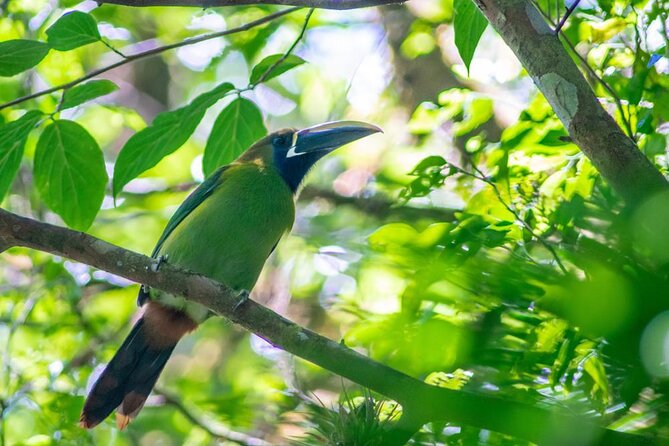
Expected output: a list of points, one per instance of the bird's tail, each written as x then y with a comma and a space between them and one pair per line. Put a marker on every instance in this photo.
127, 380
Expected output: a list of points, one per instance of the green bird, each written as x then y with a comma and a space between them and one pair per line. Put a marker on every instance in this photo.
224, 230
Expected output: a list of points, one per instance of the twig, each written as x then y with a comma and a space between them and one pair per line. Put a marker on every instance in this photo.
319, 4
214, 429
287, 53
584, 63
376, 206
420, 402
108, 45
149, 53
619, 103
482, 177
564, 18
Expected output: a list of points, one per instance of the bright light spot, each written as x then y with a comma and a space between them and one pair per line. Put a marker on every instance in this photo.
655, 346
111, 32
196, 169
38, 19
264, 348
272, 102
198, 57
209, 20
79, 272
365, 68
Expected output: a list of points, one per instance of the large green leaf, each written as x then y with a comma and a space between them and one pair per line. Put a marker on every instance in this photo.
12, 141
288, 63
18, 55
167, 133
73, 30
238, 126
70, 173
468, 26
85, 92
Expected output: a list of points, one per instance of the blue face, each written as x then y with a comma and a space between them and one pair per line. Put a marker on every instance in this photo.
295, 152
293, 168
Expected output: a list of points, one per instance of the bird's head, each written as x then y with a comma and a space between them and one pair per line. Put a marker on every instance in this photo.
293, 152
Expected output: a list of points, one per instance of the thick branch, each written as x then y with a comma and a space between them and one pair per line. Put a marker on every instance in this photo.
379, 207
420, 402
539, 50
320, 4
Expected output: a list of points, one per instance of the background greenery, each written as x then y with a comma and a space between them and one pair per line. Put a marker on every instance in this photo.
471, 245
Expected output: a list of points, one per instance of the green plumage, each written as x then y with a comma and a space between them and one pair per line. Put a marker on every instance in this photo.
224, 230
227, 228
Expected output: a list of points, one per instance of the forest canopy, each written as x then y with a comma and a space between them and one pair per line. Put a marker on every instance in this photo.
491, 269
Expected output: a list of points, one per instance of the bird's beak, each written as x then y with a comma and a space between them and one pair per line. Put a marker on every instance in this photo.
329, 136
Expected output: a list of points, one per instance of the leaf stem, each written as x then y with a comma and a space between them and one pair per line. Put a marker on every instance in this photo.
479, 175
269, 70
108, 45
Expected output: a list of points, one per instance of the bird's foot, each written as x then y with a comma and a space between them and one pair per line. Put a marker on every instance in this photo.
155, 266
243, 296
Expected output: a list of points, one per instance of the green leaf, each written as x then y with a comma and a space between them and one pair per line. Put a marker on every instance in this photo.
468, 25
70, 173
19, 55
238, 126
12, 141
73, 30
288, 63
85, 92
477, 112
635, 88
652, 145
168, 131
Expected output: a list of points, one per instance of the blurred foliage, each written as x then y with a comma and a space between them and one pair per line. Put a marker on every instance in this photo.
542, 289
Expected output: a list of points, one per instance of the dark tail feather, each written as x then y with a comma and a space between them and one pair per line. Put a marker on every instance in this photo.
127, 380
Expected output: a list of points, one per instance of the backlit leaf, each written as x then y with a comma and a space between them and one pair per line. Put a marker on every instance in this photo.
468, 25
288, 63
168, 131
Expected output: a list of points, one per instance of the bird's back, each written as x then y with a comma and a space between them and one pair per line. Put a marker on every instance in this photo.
230, 235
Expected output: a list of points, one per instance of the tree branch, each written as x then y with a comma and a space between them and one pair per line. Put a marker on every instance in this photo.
420, 402
379, 207
541, 53
213, 428
320, 4
150, 53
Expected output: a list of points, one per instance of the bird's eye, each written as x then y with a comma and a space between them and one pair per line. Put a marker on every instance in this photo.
280, 141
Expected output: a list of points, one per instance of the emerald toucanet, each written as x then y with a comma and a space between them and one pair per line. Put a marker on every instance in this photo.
225, 230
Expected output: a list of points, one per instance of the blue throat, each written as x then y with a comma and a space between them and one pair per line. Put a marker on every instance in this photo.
293, 170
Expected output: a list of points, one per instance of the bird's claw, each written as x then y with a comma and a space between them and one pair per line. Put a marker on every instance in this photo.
155, 266
243, 297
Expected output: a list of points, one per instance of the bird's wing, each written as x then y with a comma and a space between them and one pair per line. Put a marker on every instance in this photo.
194, 200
